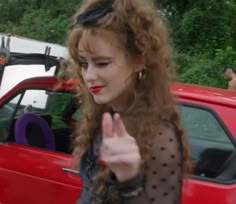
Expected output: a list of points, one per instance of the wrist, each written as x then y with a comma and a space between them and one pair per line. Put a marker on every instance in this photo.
126, 178
129, 188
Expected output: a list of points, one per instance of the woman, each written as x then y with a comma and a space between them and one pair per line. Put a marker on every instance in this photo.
131, 146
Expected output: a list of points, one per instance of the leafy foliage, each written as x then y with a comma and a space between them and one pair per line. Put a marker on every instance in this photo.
204, 28
46, 20
205, 42
203, 31
201, 69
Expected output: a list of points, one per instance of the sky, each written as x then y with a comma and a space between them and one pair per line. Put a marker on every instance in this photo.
14, 74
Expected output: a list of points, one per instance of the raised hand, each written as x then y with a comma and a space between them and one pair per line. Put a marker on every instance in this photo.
119, 150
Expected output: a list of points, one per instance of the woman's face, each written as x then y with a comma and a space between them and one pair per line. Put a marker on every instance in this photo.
107, 72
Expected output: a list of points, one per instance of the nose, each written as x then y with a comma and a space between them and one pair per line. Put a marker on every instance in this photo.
89, 74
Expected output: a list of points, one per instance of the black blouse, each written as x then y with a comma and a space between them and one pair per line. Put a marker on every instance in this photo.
163, 180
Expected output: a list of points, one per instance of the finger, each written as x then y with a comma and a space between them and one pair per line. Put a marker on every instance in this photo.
107, 125
119, 126
122, 158
101, 161
114, 148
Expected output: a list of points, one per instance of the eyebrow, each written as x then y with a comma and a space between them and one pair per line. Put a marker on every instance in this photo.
81, 57
100, 58
95, 58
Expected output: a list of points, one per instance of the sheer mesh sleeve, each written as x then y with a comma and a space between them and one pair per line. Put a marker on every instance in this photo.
164, 178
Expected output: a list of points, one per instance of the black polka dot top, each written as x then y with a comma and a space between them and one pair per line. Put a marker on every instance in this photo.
163, 183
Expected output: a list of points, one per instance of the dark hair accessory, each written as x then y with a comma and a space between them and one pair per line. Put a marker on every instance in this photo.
91, 16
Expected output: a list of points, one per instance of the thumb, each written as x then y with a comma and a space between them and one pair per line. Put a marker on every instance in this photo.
107, 125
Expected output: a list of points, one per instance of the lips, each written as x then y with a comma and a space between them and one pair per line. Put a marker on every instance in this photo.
96, 89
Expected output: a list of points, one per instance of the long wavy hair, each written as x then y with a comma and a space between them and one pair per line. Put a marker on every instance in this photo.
153, 101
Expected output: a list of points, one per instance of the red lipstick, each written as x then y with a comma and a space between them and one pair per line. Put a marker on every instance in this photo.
96, 89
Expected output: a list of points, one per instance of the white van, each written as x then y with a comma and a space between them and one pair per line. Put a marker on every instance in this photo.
10, 75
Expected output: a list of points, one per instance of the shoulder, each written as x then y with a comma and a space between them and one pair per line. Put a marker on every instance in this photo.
168, 136
168, 128
232, 84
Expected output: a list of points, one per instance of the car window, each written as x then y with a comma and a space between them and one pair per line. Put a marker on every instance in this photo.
44, 102
6, 113
209, 140
56, 108
33, 101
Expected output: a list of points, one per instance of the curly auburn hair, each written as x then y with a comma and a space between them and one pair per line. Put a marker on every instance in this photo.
153, 101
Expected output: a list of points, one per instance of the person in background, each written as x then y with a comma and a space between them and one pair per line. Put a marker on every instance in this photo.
131, 146
231, 76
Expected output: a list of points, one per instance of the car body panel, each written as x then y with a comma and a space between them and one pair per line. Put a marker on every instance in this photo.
223, 103
34, 175
29, 175
209, 192
39, 172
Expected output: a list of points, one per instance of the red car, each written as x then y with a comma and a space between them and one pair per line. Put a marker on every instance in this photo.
36, 123
209, 117
35, 165
36, 127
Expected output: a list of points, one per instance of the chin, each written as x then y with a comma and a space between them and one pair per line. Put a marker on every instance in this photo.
100, 100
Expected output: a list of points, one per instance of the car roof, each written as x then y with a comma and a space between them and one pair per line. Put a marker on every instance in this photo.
180, 90
51, 82
204, 94
48, 82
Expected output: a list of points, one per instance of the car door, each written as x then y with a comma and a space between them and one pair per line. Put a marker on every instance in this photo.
30, 174
212, 144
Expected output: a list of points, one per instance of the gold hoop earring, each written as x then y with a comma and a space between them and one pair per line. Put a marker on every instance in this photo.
140, 75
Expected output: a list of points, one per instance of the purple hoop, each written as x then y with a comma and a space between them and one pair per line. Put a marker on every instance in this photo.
21, 126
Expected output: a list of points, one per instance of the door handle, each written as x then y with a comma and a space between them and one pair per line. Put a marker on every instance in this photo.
70, 170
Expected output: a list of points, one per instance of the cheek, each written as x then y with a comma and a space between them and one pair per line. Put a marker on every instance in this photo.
128, 79
121, 83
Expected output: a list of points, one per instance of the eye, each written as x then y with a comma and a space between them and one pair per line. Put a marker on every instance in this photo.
83, 65
102, 64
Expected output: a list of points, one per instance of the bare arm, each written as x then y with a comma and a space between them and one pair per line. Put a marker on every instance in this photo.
232, 85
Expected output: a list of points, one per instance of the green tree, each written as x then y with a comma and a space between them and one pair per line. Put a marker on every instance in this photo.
46, 20
11, 11
232, 11
204, 28
203, 31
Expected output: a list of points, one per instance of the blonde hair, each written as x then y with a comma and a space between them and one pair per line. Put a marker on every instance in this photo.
154, 100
